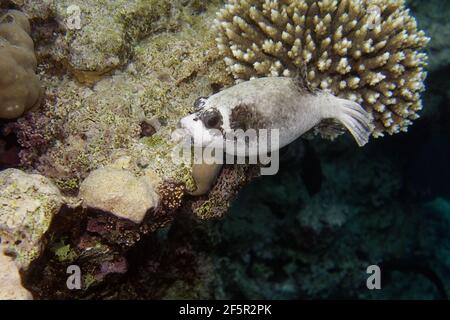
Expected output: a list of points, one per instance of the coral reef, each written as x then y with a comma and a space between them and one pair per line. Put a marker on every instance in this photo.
308, 232
82, 131
366, 51
90, 127
20, 89
94, 38
98, 46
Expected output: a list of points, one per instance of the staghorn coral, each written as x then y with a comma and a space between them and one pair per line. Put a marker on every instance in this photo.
19, 85
368, 51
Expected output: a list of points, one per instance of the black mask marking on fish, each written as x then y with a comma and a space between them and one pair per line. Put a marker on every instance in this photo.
246, 117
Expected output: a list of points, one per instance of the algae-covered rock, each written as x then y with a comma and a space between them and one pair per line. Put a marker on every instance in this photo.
99, 35
119, 192
28, 203
19, 86
168, 72
35, 9
90, 127
10, 282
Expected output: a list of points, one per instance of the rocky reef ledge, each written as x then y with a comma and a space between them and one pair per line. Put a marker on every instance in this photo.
94, 173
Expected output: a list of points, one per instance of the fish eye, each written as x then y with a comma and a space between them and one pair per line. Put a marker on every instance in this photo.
212, 119
199, 103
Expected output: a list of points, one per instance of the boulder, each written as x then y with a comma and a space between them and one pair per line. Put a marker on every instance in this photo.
119, 192
28, 203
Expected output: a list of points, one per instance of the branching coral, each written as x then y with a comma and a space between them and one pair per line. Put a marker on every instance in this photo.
19, 85
368, 51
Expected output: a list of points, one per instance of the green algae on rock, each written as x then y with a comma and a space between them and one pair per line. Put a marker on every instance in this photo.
108, 31
90, 125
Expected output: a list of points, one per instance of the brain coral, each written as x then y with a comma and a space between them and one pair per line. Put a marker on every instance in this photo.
19, 85
368, 51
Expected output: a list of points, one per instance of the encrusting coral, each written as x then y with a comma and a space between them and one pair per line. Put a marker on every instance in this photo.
19, 86
368, 51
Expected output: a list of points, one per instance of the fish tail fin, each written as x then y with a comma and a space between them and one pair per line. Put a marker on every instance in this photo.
356, 120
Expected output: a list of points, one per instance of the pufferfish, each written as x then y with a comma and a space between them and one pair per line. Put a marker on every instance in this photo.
279, 103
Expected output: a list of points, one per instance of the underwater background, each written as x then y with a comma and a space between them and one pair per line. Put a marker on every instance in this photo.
309, 232
333, 210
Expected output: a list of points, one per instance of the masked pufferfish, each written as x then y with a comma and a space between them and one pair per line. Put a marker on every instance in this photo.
268, 103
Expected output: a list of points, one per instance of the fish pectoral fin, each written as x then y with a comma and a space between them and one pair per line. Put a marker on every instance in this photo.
356, 120
329, 128
205, 175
